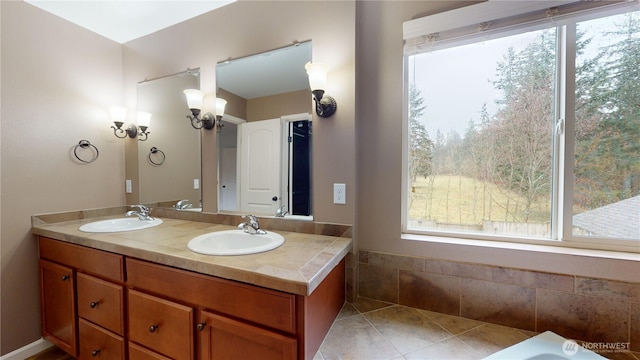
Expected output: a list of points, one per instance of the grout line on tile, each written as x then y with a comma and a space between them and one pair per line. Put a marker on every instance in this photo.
387, 304
382, 335
471, 348
398, 285
460, 296
439, 325
473, 328
535, 311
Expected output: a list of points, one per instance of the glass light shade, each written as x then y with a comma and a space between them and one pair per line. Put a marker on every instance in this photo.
208, 103
118, 113
220, 105
194, 98
317, 73
144, 118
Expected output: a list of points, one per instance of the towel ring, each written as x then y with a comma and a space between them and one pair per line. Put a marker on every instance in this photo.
154, 150
85, 144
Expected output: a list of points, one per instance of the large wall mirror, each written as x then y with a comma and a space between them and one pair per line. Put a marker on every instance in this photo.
171, 171
264, 147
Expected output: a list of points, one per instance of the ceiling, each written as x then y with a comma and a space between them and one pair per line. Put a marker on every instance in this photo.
123, 21
269, 73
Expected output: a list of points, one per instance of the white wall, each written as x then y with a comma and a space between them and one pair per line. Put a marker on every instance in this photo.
57, 83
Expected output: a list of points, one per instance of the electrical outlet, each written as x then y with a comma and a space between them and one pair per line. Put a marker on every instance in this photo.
196, 184
339, 193
127, 187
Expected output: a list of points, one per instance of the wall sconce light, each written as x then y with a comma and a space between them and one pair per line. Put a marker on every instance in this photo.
325, 105
144, 119
118, 115
195, 100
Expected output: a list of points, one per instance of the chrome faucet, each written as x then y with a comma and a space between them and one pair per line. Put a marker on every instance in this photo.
143, 213
252, 226
281, 212
183, 204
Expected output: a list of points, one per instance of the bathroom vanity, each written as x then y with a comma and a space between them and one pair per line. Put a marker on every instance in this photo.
143, 295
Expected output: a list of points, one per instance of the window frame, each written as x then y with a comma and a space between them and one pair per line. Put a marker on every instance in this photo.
564, 112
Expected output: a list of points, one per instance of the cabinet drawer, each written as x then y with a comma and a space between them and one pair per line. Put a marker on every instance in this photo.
236, 299
137, 352
161, 325
101, 302
97, 262
96, 342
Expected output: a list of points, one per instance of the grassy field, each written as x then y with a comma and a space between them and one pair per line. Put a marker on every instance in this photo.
462, 200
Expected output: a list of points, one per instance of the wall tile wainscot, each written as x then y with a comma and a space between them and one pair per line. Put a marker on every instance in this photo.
575, 307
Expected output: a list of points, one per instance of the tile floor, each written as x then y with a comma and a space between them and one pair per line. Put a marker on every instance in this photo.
373, 330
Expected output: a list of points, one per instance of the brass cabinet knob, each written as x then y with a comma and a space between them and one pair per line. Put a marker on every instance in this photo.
153, 328
93, 304
201, 326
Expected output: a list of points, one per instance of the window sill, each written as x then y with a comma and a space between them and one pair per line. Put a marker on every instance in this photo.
617, 265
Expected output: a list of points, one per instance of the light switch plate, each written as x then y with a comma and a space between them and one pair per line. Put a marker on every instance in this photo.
339, 193
196, 184
127, 187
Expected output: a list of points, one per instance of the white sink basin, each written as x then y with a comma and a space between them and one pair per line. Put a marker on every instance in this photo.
118, 225
234, 242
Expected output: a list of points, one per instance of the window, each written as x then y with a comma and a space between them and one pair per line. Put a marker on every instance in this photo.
526, 127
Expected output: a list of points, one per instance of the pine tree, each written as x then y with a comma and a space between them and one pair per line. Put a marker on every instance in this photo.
521, 130
607, 163
420, 145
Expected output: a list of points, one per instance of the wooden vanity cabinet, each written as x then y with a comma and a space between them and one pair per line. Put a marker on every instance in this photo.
82, 299
161, 312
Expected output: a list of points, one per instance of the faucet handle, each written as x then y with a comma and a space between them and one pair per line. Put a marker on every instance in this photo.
143, 209
182, 204
253, 220
281, 212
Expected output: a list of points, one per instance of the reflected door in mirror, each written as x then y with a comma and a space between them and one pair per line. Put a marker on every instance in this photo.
260, 146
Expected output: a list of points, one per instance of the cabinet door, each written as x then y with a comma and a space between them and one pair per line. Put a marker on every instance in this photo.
57, 288
161, 325
101, 302
224, 338
96, 342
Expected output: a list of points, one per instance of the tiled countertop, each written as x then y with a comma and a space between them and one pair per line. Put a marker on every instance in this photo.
298, 266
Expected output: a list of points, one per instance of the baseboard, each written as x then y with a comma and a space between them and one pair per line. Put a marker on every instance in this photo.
28, 350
